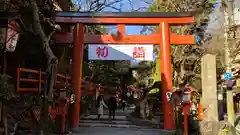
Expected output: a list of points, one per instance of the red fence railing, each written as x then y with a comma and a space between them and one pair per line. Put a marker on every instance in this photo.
29, 80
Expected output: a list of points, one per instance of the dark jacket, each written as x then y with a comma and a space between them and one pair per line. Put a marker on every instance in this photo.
112, 102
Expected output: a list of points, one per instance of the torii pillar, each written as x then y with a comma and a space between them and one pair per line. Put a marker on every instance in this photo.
166, 74
165, 38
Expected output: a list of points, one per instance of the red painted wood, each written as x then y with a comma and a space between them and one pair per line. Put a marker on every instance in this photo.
77, 70
67, 38
166, 74
132, 21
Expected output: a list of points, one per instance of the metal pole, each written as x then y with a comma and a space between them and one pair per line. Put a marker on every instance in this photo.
228, 22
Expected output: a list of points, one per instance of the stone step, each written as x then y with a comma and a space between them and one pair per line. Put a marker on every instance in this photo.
117, 113
121, 123
109, 125
104, 117
118, 125
104, 122
147, 123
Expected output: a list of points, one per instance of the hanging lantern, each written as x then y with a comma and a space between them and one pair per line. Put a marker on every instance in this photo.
9, 31
12, 36
186, 97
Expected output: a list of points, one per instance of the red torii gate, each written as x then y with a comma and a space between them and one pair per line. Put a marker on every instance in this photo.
164, 38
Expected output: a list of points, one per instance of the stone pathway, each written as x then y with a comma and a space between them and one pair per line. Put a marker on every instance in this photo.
120, 121
119, 131
120, 126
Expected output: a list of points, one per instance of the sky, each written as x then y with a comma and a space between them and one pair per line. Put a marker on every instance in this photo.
217, 18
130, 30
128, 7
125, 6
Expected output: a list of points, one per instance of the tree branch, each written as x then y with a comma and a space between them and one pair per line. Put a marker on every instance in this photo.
51, 70
108, 5
39, 31
50, 35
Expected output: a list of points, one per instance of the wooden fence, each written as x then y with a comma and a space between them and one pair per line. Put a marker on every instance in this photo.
29, 80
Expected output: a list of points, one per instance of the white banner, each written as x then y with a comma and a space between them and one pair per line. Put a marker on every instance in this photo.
120, 52
12, 38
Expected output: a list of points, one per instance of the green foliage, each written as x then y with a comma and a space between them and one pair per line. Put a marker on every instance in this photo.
86, 70
7, 89
103, 70
202, 9
186, 59
154, 8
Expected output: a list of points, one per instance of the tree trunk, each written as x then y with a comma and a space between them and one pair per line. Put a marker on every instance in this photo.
51, 59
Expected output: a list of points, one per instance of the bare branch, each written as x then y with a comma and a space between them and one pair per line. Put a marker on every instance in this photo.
110, 4
92, 7
50, 35
141, 8
131, 4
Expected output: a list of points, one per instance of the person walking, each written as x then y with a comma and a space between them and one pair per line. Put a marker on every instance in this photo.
123, 104
112, 106
100, 104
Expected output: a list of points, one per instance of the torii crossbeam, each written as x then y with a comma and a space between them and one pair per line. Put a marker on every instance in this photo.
164, 38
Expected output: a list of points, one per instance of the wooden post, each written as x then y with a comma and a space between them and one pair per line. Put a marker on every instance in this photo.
77, 70
166, 74
186, 109
121, 31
